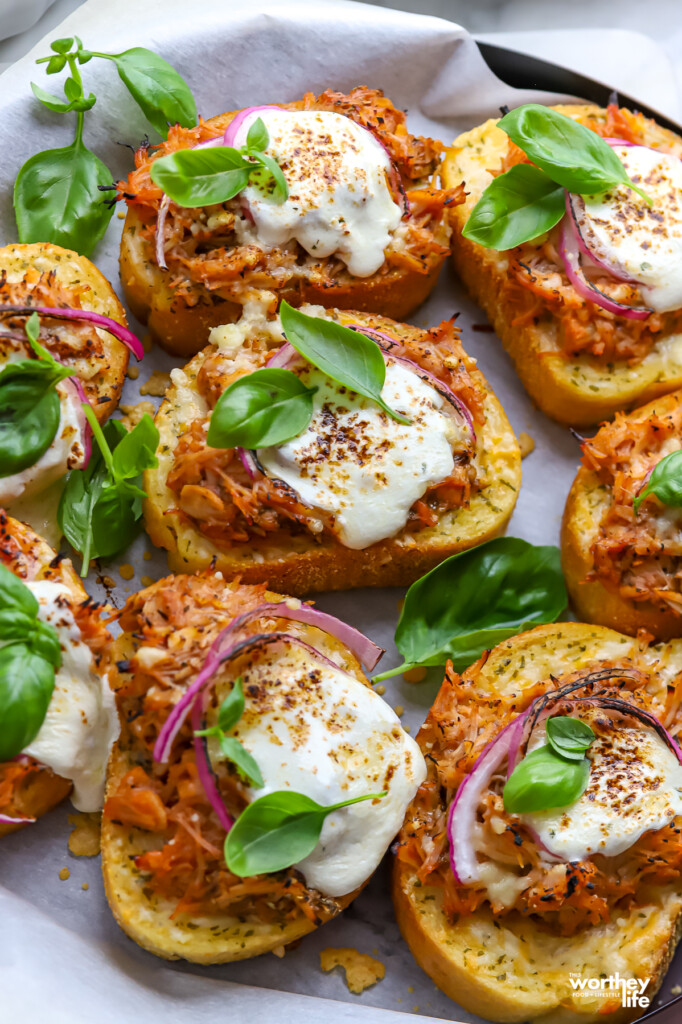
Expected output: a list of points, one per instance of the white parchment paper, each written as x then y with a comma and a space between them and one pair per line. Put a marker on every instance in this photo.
62, 957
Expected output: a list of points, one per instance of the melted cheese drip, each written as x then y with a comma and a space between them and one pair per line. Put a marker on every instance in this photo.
635, 786
339, 200
316, 730
644, 242
81, 724
361, 466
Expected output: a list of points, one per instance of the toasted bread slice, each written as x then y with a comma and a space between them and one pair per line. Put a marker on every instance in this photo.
588, 502
30, 558
101, 375
510, 968
301, 564
575, 391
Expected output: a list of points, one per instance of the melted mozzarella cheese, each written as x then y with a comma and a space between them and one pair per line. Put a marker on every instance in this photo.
66, 452
81, 724
359, 465
635, 786
644, 242
316, 730
339, 200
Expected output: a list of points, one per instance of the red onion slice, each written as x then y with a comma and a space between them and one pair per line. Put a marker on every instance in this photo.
6, 820
205, 771
284, 355
105, 323
572, 201
238, 120
569, 250
83, 423
248, 461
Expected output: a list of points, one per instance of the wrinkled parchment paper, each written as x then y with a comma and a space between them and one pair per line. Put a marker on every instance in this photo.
62, 957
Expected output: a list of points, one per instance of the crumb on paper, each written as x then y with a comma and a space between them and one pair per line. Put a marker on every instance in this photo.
64, 874
107, 581
362, 970
147, 556
157, 385
406, 728
380, 689
279, 951
84, 840
133, 372
410, 989
126, 571
132, 414
526, 444
147, 581
414, 675
121, 214
399, 710
676, 990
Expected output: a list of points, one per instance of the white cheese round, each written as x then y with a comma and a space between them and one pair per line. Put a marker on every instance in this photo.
644, 242
339, 201
81, 724
315, 730
635, 786
359, 465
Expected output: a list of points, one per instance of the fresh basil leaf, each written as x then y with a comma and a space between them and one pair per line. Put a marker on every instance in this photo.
202, 177
26, 686
56, 198
81, 493
665, 482
62, 45
161, 93
270, 180
571, 154
569, 737
15, 595
30, 412
257, 136
234, 751
543, 781
43, 640
50, 101
264, 408
14, 624
516, 207
348, 357
477, 599
276, 831
232, 708
136, 451
115, 521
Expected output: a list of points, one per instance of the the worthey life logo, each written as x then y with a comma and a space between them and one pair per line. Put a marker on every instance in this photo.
630, 990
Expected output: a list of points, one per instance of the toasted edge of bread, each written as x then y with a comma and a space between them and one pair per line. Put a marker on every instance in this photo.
509, 970
73, 270
576, 392
183, 329
38, 561
587, 502
302, 565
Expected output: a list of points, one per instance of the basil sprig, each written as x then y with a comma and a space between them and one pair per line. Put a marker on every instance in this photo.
100, 509
57, 193
554, 775
348, 357
477, 599
266, 407
30, 407
665, 482
524, 202
229, 713
204, 176
278, 830
29, 656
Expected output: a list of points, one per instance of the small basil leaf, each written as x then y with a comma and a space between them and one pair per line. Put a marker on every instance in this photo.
56, 198
26, 686
78, 500
477, 599
232, 708
72, 90
266, 407
161, 93
276, 831
202, 177
30, 413
665, 482
543, 781
571, 154
55, 64
44, 641
270, 181
232, 749
15, 595
348, 357
50, 101
257, 136
136, 450
14, 624
569, 737
516, 207
62, 45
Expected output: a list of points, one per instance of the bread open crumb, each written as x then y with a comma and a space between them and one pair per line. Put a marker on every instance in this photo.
157, 385
526, 444
362, 970
84, 840
132, 414
64, 874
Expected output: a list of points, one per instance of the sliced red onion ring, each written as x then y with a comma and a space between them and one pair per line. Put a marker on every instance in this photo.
569, 250
393, 173
284, 355
238, 120
83, 423
248, 461
206, 776
105, 323
572, 202
6, 820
